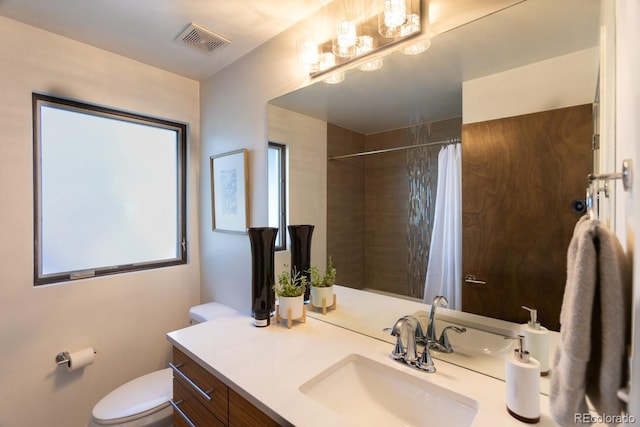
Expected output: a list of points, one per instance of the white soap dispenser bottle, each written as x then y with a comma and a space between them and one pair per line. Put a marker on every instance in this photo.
536, 340
522, 380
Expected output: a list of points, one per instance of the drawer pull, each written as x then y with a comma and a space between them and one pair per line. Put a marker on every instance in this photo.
181, 412
203, 393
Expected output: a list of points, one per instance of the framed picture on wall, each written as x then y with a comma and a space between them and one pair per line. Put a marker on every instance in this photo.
229, 191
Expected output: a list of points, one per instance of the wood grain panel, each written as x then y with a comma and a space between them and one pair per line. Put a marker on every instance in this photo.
519, 177
192, 408
243, 413
218, 391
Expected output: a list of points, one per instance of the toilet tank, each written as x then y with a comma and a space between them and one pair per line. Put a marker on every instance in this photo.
212, 310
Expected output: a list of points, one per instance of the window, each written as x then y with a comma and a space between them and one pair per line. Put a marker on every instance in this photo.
109, 191
277, 192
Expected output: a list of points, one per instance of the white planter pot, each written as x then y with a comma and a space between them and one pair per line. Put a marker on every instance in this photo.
317, 294
294, 304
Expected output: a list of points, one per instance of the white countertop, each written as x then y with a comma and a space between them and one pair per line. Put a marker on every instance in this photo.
268, 365
370, 312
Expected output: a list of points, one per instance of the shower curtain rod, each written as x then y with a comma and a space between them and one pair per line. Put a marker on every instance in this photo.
406, 147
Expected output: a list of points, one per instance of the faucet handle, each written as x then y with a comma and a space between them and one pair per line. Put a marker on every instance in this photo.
435, 345
444, 338
398, 352
425, 363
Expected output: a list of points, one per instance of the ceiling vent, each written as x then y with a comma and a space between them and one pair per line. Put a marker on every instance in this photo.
203, 40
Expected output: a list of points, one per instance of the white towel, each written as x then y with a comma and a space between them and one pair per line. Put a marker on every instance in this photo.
594, 322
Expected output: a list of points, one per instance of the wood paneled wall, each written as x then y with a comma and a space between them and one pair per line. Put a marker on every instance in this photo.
519, 178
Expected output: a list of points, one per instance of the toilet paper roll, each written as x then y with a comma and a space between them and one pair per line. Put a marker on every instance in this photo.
81, 358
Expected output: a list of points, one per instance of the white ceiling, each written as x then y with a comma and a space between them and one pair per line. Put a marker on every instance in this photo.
423, 88
146, 30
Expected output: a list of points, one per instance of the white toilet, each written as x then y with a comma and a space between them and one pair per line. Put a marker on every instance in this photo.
144, 401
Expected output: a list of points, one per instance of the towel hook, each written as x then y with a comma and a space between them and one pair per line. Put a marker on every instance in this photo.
626, 175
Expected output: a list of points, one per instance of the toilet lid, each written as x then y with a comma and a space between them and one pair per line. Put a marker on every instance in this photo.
212, 310
136, 396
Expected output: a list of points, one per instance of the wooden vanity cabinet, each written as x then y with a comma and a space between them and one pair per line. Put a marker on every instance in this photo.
224, 408
243, 413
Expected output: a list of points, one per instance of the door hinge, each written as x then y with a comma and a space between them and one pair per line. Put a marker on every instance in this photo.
595, 142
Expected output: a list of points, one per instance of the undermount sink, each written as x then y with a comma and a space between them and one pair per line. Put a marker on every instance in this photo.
370, 393
473, 340
479, 341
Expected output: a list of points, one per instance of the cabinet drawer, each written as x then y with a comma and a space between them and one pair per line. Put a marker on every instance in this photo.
192, 409
243, 413
216, 390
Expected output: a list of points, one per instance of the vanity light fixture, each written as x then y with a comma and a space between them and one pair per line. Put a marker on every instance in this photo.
344, 44
416, 48
411, 26
308, 54
334, 78
392, 17
373, 65
362, 41
366, 44
327, 61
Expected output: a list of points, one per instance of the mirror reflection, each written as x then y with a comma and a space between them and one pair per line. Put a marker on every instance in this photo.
517, 88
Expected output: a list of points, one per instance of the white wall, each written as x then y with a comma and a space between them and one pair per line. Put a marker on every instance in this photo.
125, 317
234, 115
563, 81
628, 147
306, 139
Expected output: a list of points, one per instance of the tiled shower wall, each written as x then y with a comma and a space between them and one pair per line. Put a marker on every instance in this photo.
346, 206
380, 206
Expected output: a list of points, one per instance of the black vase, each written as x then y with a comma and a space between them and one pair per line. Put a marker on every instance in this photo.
301, 252
263, 298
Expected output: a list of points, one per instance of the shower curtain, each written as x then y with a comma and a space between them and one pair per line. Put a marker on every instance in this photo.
444, 271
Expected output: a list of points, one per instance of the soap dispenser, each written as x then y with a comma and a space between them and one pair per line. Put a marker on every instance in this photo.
537, 340
522, 380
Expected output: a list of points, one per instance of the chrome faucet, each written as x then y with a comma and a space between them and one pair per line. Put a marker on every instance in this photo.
410, 327
431, 326
445, 345
431, 339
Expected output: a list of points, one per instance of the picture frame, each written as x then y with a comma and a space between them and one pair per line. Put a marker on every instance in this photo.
229, 191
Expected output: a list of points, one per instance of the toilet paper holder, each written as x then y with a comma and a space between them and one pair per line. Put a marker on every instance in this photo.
63, 357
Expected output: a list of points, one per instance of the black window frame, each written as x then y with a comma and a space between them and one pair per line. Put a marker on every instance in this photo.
281, 240
181, 130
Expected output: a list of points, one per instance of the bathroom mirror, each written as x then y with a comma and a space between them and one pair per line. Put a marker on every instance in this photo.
428, 88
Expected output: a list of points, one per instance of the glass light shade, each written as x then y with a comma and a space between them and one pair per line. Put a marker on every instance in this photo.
308, 54
327, 60
334, 78
417, 47
344, 43
395, 12
411, 26
392, 17
372, 65
365, 44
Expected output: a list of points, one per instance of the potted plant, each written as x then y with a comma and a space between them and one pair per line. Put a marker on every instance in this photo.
322, 286
290, 292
